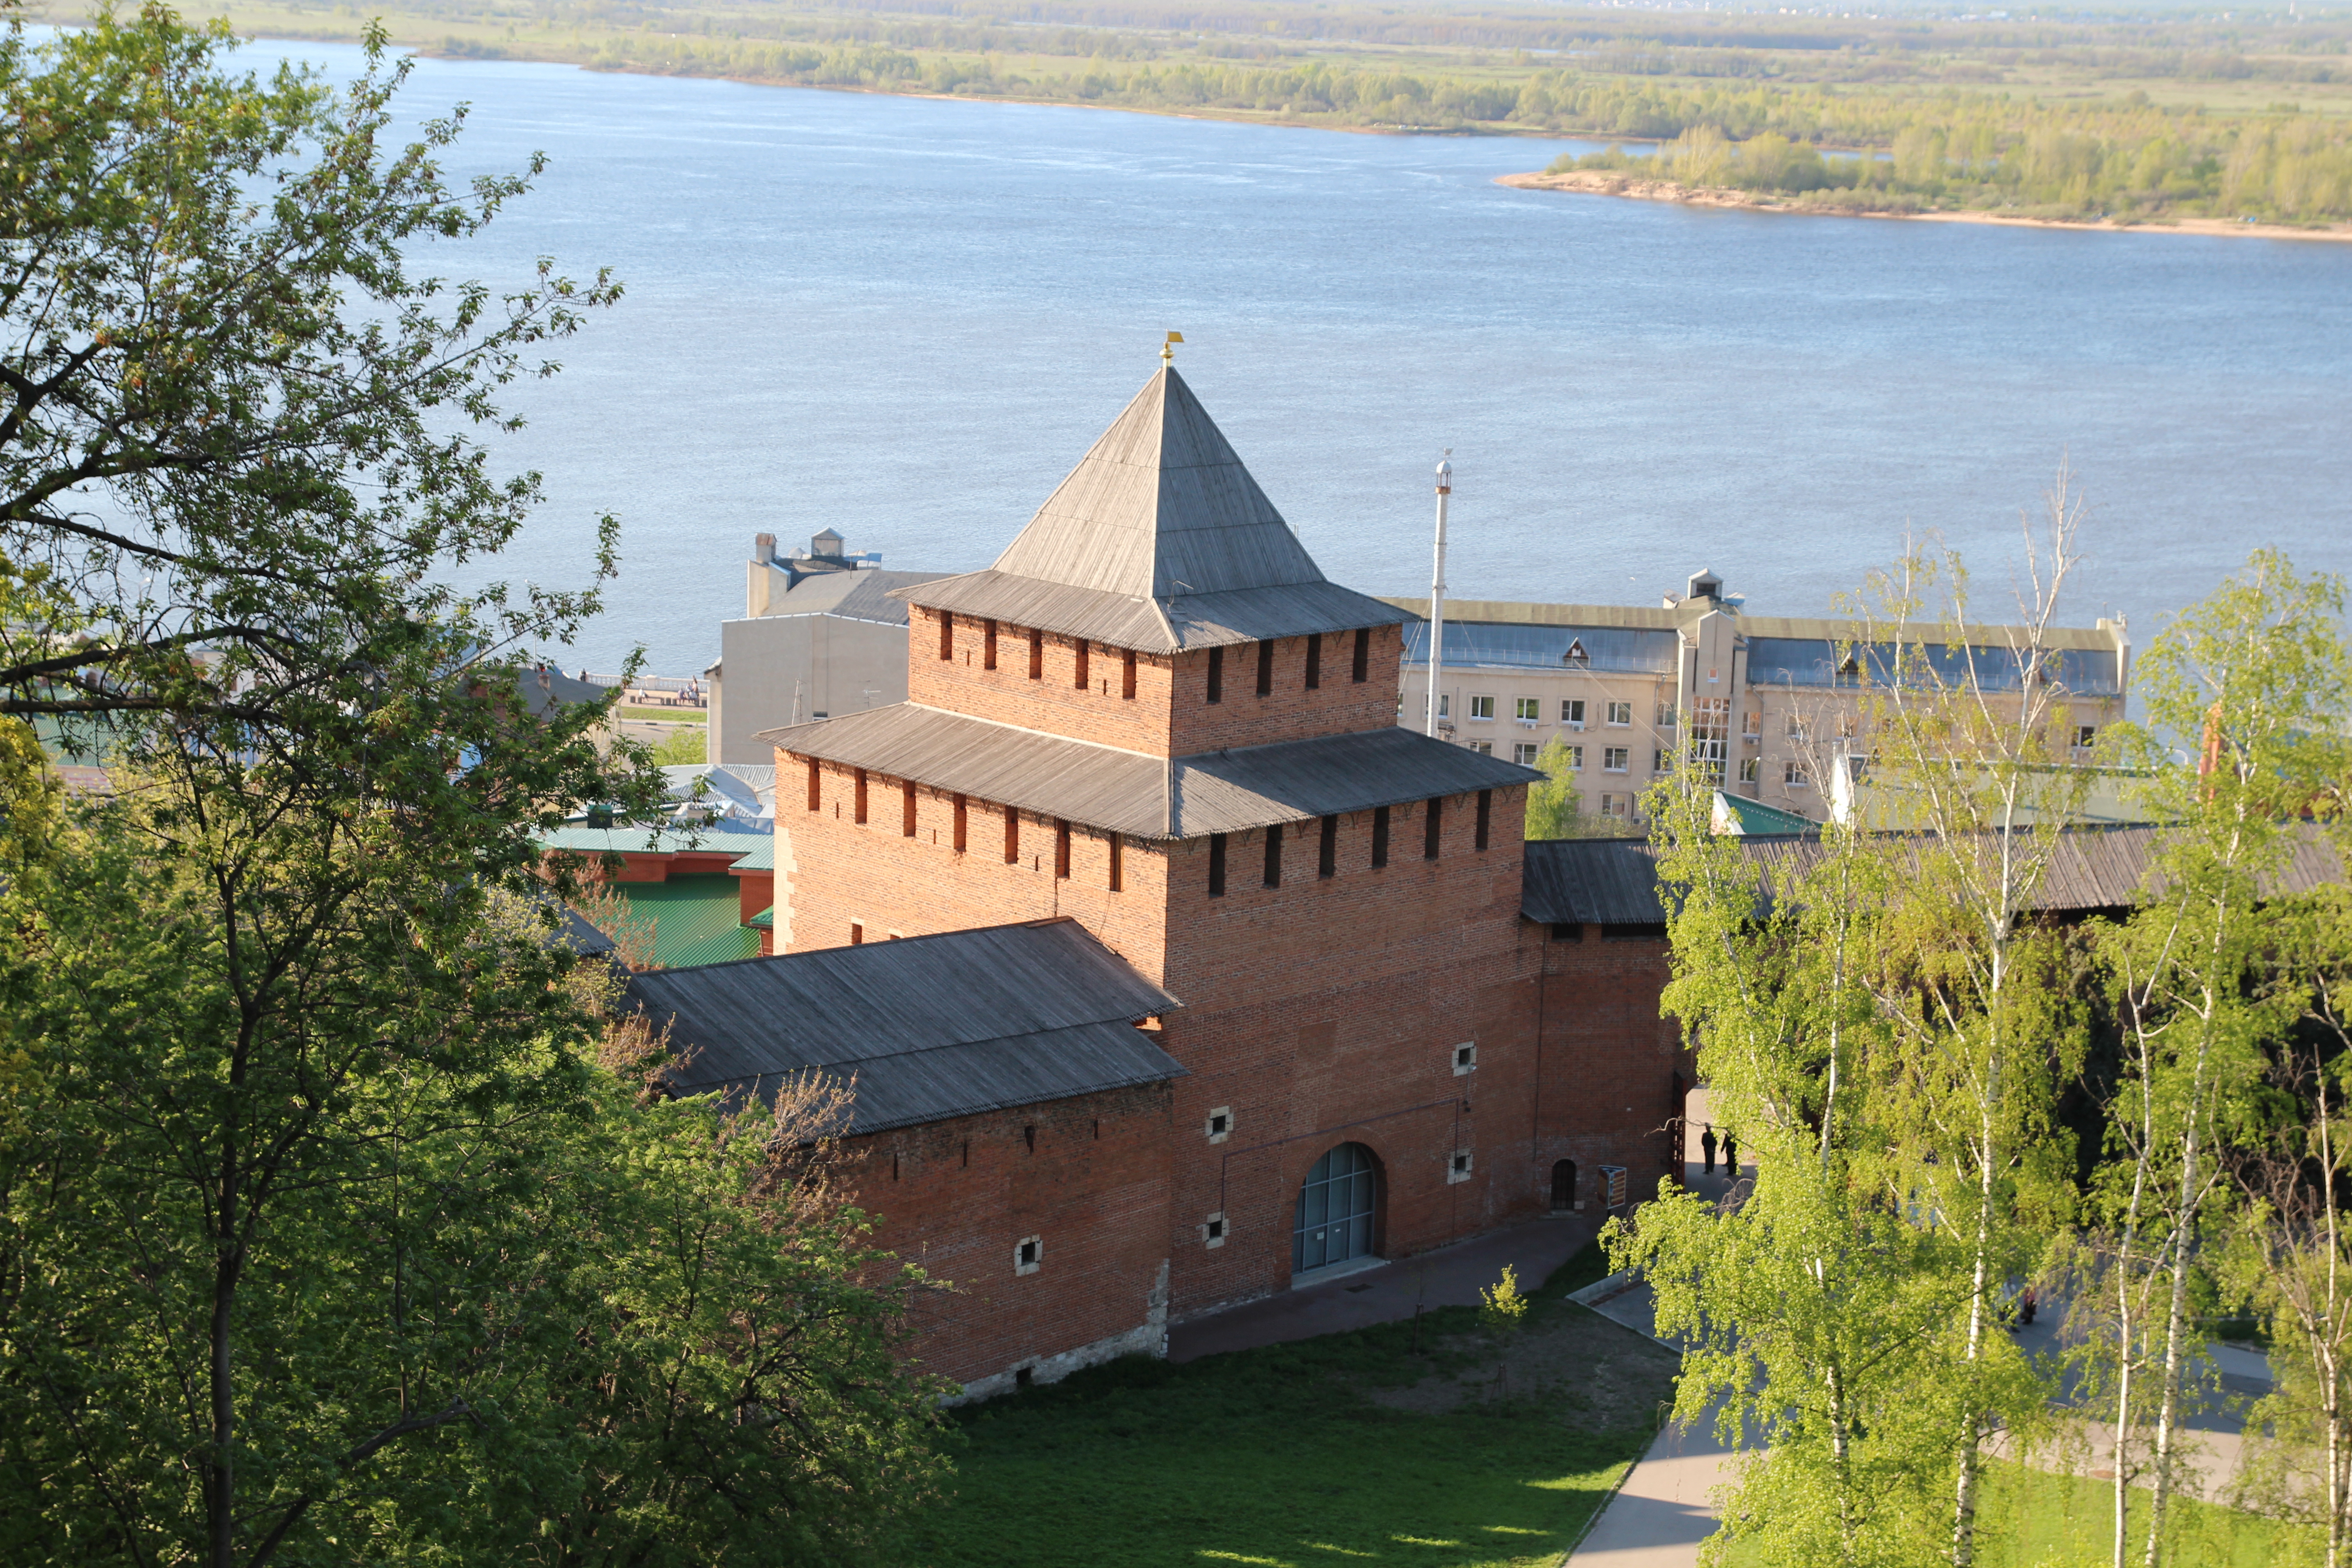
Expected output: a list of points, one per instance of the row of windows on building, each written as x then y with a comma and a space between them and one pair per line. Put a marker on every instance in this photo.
1572, 709
1620, 760
1327, 860
1620, 715
1082, 670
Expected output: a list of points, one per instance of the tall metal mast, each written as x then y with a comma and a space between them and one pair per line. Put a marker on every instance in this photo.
1437, 592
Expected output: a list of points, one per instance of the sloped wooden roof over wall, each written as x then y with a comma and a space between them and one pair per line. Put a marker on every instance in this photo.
1614, 882
926, 1028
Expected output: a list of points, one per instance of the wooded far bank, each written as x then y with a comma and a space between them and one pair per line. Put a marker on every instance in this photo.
2197, 119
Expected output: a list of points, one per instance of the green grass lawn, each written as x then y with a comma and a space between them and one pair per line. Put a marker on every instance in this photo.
1277, 1455
2034, 1520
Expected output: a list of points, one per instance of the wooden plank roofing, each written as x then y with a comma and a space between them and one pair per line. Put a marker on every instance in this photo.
1158, 540
921, 1030
1614, 882
1145, 796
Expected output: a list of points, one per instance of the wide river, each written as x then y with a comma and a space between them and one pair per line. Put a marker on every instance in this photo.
906, 318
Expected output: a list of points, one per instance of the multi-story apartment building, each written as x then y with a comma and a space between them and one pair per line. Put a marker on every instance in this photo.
1772, 701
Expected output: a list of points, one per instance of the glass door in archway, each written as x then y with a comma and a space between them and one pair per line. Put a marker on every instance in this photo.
1335, 1210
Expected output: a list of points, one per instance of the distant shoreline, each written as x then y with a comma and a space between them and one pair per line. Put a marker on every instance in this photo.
1612, 183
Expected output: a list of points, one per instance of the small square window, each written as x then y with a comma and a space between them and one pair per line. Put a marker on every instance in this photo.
1466, 1058
1028, 1253
1616, 758
1524, 754
1458, 1168
1527, 708
1445, 705
1794, 775
1212, 1230
1621, 714
2086, 735
1751, 724
1749, 767
1667, 716
1571, 712
1482, 708
1796, 727
1658, 760
1576, 759
1221, 1123
1483, 748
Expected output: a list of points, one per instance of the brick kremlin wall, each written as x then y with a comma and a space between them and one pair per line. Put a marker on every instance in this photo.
1087, 1177
1170, 714
1605, 1095
1327, 1011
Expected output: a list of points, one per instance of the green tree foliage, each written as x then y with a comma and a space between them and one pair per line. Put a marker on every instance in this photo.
327, 1239
233, 412
2256, 679
1889, 1029
1815, 1311
2292, 1253
325, 1233
1554, 805
1968, 152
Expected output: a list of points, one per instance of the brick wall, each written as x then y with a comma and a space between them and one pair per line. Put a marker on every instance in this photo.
1053, 702
1321, 1004
1325, 1011
1341, 705
1086, 1176
1605, 1094
1170, 714
878, 876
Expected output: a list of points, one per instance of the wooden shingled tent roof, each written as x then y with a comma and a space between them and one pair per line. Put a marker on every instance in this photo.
1159, 540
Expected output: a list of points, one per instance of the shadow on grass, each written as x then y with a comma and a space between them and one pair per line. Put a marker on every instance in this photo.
1274, 1456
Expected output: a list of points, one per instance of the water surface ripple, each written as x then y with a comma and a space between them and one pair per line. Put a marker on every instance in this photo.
906, 319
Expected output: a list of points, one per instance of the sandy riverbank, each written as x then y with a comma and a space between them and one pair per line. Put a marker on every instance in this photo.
1611, 182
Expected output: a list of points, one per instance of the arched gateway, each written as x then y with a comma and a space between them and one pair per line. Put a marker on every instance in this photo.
1336, 1207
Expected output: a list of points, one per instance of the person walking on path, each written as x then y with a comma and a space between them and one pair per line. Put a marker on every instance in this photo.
1706, 1147
1730, 1155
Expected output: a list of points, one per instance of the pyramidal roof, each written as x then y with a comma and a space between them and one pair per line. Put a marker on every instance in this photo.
1161, 506
1159, 540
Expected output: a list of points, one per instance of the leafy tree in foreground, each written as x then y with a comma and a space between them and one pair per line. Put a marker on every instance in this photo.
2292, 1255
1809, 1300
371, 1257
1888, 1026
324, 1236
233, 413
2255, 676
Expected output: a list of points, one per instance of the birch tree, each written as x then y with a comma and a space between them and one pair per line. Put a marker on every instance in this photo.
2293, 1258
1968, 768
2253, 678
1805, 1304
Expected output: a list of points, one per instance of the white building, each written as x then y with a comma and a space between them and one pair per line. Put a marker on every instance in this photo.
820, 635
1767, 699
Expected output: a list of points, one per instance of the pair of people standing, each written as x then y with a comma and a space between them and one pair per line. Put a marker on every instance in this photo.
1706, 1145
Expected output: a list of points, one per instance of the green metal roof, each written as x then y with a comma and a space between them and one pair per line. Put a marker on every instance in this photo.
761, 857
1744, 816
719, 839
698, 919
764, 921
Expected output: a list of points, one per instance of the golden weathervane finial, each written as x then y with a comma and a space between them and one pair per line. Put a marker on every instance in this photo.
1168, 349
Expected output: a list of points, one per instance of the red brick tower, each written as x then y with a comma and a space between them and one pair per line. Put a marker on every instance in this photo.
1154, 714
